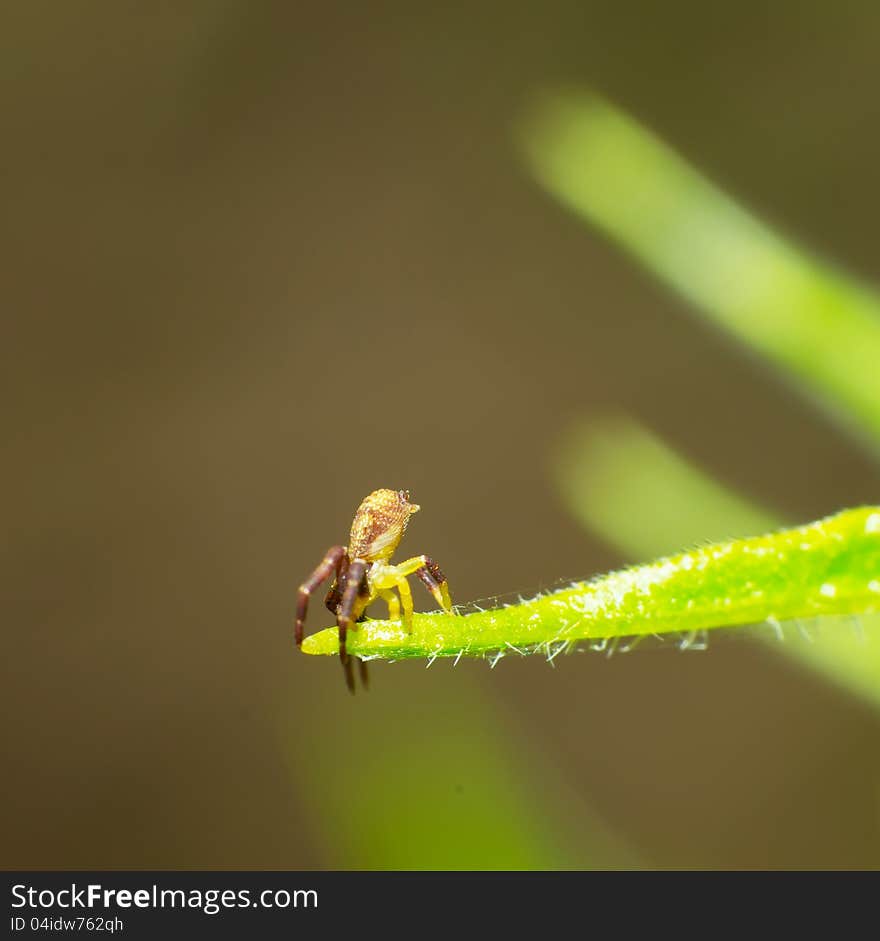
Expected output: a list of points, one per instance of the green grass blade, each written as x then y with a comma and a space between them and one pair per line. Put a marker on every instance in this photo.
626, 485
831, 567
821, 326
612, 472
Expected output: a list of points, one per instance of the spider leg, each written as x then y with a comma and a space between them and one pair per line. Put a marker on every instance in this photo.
431, 576
331, 562
334, 595
406, 600
390, 599
355, 598
348, 673
353, 587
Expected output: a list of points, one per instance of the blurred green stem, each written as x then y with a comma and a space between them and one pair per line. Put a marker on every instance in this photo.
612, 472
820, 325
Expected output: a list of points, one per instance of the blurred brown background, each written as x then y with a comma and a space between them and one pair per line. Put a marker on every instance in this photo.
261, 258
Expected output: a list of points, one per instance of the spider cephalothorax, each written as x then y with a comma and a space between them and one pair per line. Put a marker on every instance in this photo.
363, 572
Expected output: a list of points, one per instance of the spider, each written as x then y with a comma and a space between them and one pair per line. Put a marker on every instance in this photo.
364, 572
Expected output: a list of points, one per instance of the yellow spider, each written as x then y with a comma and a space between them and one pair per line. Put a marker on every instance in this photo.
364, 572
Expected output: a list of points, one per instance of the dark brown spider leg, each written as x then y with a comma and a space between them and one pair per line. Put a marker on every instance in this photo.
331, 562
334, 595
348, 673
432, 577
353, 582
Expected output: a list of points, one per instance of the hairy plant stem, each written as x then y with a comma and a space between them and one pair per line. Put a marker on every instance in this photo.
830, 567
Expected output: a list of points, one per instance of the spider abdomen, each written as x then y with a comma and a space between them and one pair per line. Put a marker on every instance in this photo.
379, 524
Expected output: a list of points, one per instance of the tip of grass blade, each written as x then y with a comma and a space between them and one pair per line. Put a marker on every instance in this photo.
323, 644
369, 637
